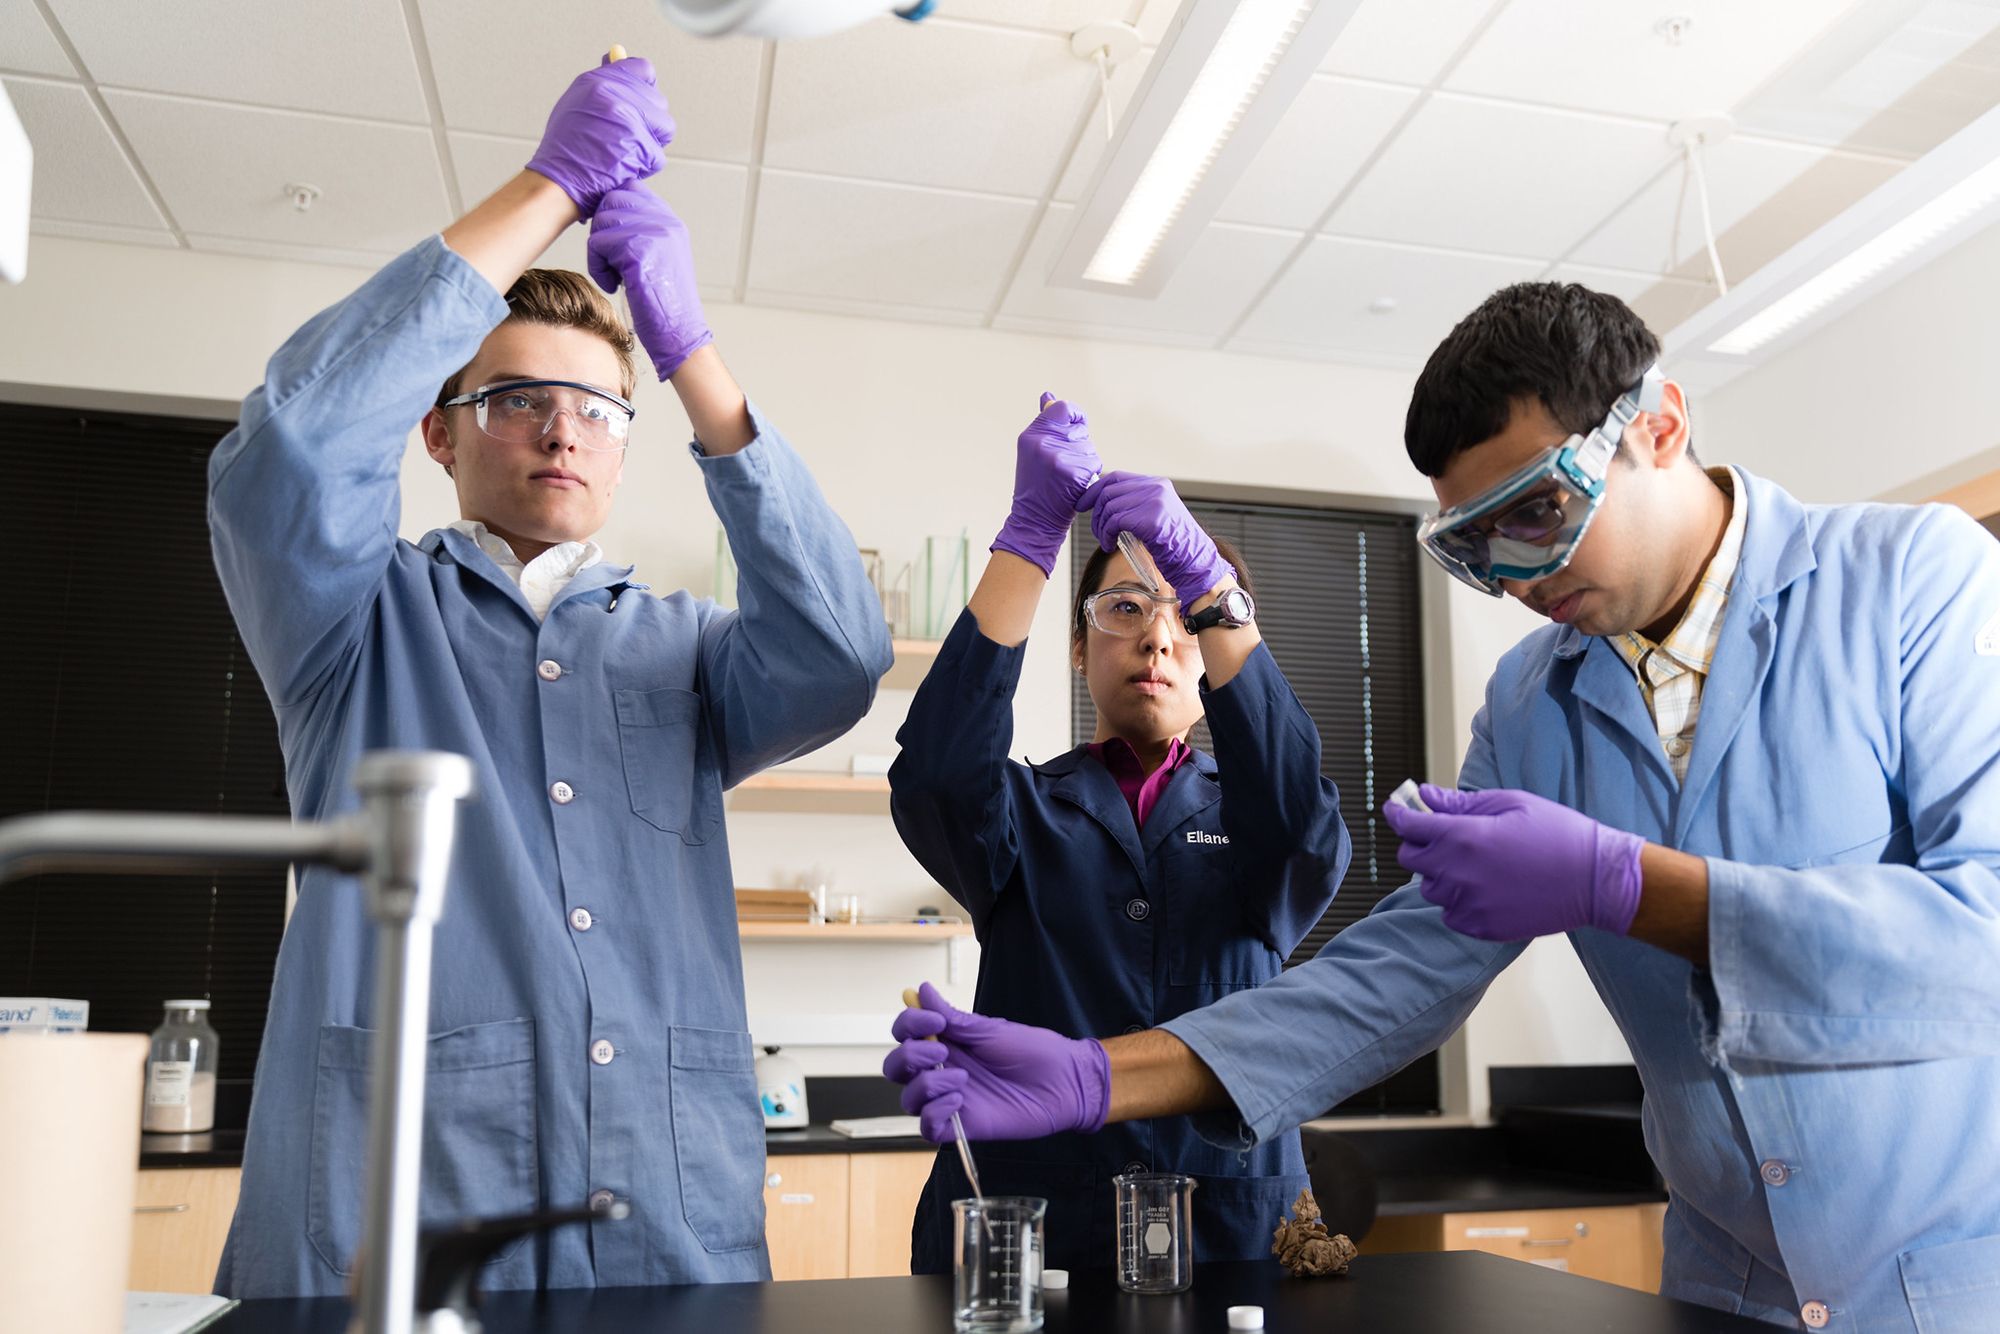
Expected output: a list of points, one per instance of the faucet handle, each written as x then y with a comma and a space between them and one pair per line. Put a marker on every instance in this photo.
449, 1258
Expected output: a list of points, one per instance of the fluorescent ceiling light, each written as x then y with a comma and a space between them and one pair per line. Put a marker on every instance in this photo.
1918, 214
1223, 77
17, 164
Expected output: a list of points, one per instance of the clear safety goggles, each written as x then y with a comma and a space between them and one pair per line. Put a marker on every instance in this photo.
522, 411
1528, 525
1128, 612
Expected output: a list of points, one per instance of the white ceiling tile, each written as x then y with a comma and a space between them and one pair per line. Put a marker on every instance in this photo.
311, 254
352, 58
1322, 303
1090, 149
222, 172
966, 108
1063, 16
1499, 179
1625, 284
884, 310
1309, 159
708, 196
1154, 18
1214, 284
1807, 185
1403, 42
501, 64
26, 44
857, 240
97, 231
1607, 57
81, 175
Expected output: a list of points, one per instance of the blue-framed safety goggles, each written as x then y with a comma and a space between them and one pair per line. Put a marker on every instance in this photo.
1528, 525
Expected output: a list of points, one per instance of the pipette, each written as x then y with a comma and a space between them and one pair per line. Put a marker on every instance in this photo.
1129, 546
957, 1126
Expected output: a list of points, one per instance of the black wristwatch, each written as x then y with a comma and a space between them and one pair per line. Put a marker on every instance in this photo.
1232, 610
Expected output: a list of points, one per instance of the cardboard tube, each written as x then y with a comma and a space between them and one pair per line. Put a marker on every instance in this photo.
69, 1173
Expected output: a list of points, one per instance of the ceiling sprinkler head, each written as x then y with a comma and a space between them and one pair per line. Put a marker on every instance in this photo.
302, 196
1674, 28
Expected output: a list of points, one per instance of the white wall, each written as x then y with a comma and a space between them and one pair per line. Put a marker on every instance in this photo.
910, 430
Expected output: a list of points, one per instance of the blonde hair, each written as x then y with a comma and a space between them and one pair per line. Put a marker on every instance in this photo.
563, 299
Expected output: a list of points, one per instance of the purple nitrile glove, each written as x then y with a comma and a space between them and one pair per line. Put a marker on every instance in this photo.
1054, 464
607, 129
636, 240
1151, 510
1509, 865
1005, 1080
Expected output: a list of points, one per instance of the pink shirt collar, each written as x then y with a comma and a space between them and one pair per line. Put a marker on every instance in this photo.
1142, 790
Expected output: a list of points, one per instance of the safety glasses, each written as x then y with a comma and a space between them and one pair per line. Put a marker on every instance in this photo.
522, 412
1127, 612
1528, 525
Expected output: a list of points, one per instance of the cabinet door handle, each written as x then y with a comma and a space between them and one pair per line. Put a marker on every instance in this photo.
159, 1208
1550, 1241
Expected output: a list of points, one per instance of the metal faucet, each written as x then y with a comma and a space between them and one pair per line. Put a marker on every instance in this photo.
400, 843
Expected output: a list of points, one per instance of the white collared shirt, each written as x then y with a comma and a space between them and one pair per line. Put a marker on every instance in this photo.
542, 578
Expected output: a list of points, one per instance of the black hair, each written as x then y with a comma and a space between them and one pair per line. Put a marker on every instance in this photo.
1574, 349
1092, 579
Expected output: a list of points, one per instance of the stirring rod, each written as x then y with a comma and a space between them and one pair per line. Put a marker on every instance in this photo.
957, 1128
614, 55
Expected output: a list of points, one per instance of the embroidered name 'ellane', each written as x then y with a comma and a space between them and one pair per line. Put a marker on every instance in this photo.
1203, 836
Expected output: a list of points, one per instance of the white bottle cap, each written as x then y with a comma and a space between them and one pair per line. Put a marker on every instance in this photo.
1055, 1278
1246, 1317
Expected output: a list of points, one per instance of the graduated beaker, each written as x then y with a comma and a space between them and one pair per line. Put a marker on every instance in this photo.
996, 1266
1155, 1231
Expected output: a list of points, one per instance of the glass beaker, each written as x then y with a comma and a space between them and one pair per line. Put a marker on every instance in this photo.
996, 1266
1155, 1231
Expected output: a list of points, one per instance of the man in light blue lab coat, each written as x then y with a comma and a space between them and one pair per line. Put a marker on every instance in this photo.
1752, 771
588, 1027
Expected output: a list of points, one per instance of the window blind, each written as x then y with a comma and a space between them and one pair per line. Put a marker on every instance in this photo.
128, 690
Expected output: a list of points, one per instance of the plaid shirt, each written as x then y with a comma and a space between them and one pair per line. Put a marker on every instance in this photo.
1672, 672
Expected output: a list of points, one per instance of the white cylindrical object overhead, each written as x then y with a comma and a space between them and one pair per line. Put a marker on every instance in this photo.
17, 163
773, 18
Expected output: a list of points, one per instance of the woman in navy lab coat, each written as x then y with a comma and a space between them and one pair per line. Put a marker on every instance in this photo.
1131, 879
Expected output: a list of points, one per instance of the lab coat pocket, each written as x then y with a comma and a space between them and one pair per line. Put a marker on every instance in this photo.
1211, 947
1234, 1217
1953, 1287
670, 773
718, 1137
479, 1132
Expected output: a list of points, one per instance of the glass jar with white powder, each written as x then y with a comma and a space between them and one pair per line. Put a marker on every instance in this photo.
180, 1071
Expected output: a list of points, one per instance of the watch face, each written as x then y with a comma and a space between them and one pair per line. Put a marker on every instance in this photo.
1237, 606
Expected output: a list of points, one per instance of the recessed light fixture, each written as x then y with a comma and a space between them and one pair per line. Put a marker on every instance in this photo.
1224, 75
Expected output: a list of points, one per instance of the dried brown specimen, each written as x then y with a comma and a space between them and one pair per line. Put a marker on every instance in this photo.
1303, 1245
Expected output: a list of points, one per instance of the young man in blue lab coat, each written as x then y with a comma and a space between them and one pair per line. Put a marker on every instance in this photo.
1752, 771
587, 1011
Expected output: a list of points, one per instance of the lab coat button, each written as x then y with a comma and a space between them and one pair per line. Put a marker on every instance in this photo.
1815, 1314
1134, 1169
562, 792
1138, 909
1130, 1029
580, 918
1677, 746
601, 1052
548, 669
600, 1200
1774, 1172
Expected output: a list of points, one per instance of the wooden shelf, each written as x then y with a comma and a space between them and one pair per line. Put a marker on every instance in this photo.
866, 933
812, 791
913, 662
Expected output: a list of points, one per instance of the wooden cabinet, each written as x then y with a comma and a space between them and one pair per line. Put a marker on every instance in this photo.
179, 1223
1618, 1244
840, 1215
805, 1214
882, 1201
